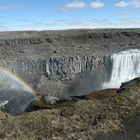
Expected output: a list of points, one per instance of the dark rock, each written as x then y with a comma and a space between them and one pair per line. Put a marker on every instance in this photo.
127, 85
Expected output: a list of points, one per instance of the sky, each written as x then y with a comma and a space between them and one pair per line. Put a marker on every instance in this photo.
68, 14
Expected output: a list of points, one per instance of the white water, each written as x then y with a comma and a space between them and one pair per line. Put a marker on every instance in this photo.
126, 66
3, 103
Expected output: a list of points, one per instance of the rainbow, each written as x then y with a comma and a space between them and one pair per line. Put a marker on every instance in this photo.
18, 80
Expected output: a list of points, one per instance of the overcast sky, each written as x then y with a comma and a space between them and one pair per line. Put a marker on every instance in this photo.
68, 14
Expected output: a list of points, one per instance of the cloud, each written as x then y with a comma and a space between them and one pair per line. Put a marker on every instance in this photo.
61, 24
74, 5
89, 23
11, 6
106, 23
97, 4
65, 24
125, 23
81, 5
77, 5
122, 4
134, 3
127, 12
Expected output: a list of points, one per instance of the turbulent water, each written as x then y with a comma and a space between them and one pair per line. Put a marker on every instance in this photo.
126, 66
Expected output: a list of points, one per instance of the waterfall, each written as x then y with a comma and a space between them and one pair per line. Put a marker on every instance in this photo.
125, 67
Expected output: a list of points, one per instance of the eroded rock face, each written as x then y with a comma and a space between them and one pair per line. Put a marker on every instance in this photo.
60, 72
61, 62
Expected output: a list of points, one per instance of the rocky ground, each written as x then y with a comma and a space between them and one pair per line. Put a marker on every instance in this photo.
113, 116
67, 42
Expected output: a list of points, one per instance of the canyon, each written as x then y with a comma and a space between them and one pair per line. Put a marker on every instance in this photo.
59, 63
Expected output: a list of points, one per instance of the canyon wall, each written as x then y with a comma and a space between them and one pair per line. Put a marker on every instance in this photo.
64, 63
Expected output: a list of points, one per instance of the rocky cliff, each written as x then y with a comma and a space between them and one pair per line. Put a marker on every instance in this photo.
61, 62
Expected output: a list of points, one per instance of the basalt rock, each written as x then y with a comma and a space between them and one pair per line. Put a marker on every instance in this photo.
128, 84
